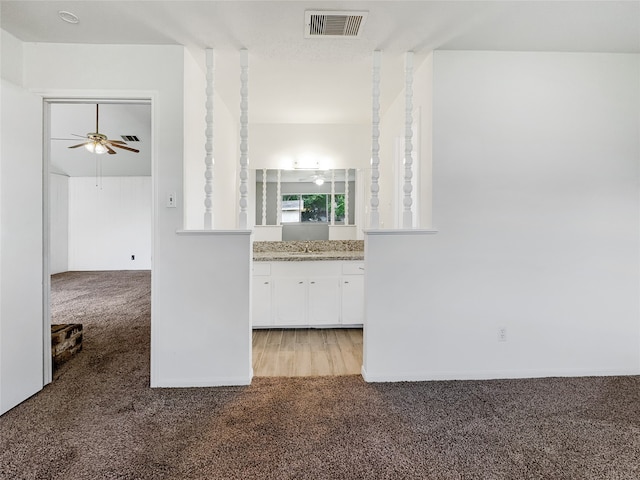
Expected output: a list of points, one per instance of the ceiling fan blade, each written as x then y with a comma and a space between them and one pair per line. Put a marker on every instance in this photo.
125, 148
79, 145
109, 149
81, 136
117, 141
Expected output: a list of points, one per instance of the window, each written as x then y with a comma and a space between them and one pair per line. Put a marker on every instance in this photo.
298, 208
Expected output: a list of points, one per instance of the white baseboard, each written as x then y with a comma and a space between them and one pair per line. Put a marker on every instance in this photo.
493, 375
203, 382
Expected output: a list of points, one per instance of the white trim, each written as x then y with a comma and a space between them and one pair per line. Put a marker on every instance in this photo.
400, 231
47, 361
204, 382
495, 375
214, 232
143, 97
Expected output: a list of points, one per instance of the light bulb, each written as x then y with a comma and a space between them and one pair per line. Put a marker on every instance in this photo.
91, 146
319, 181
100, 149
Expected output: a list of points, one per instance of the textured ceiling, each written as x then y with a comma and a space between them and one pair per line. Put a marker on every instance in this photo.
297, 80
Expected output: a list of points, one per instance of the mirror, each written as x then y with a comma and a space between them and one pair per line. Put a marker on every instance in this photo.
305, 202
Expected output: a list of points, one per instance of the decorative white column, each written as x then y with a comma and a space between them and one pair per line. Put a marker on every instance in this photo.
375, 145
333, 197
208, 146
264, 196
346, 196
279, 198
407, 214
244, 134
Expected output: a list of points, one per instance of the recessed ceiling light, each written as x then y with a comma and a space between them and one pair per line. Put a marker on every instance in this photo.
68, 17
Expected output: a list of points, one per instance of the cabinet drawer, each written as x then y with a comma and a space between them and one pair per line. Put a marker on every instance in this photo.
261, 268
353, 268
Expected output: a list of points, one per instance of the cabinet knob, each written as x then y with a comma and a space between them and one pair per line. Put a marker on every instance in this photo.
300, 283
313, 282
266, 283
346, 281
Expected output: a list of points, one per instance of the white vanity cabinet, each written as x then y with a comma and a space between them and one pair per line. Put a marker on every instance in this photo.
352, 293
324, 301
308, 293
289, 306
262, 295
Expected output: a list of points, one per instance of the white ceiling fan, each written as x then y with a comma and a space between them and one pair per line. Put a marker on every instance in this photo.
317, 178
99, 143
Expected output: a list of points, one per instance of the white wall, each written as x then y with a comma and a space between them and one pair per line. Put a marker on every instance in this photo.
109, 221
334, 146
11, 64
155, 72
59, 223
210, 330
535, 177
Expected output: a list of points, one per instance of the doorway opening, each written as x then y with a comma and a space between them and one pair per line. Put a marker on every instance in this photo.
98, 215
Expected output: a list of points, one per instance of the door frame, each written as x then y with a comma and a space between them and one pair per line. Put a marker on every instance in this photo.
83, 96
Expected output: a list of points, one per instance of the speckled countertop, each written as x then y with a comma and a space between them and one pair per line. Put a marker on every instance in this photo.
308, 251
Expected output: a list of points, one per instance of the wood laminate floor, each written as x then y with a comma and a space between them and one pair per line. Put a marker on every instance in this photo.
305, 352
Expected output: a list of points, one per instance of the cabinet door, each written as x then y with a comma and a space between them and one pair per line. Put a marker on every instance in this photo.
353, 299
290, 300
261, 313
324, 301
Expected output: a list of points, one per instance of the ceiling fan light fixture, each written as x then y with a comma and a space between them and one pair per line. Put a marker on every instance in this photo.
95, 147
100, 148
99, 143
319, 181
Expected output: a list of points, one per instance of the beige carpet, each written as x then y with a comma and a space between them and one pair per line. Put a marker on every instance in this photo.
99, 419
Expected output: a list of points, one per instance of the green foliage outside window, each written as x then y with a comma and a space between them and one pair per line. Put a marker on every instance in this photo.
316, 207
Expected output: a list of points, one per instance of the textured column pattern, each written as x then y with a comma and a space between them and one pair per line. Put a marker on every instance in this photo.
279, 199
244, 136
407, 214
375, 145
264, 196
333, 197
208, 146
346, 196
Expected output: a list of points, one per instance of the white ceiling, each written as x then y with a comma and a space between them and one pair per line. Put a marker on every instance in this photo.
297, 80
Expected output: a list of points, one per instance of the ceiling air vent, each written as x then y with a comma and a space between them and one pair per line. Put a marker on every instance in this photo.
333, 24
130, 138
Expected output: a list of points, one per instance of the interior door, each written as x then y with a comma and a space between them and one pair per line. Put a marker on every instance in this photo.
21, 247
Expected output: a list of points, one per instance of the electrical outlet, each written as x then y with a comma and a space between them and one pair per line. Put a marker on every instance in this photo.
502, 334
